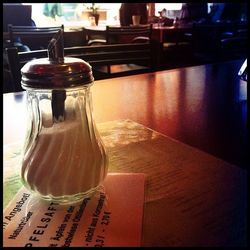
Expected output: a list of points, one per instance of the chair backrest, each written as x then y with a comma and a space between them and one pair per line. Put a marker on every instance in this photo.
206, 36
99, 55
233, 47
127, 34
112, 54
33, 37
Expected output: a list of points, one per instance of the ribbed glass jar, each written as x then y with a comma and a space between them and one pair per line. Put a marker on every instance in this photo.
63, 158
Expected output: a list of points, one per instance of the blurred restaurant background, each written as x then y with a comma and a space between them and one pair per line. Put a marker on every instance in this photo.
183, 34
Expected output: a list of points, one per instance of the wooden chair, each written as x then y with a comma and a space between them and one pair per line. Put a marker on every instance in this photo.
99, 55
233, 47
127, 34
33, 37
206, 40
124, 35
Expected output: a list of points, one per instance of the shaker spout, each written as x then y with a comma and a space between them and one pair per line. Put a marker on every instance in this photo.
56, 48
56, 55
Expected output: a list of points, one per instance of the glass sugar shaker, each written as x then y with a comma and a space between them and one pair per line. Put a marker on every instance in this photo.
64, 159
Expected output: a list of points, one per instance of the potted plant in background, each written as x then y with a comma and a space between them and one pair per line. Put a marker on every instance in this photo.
94, 12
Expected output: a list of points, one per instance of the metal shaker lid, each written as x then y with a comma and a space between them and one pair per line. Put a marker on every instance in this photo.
56, 71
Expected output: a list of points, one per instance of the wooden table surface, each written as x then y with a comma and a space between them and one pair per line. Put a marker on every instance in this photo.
203, 106
172, 33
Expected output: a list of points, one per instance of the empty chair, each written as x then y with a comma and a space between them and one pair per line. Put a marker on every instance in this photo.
96, 56
16, 60
32, 37
233, 47
206, 40
124, 35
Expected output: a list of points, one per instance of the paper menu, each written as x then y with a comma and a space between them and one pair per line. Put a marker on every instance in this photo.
191, 198
112, 217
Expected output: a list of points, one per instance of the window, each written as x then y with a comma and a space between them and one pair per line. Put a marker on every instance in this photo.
75, 14
173, 9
